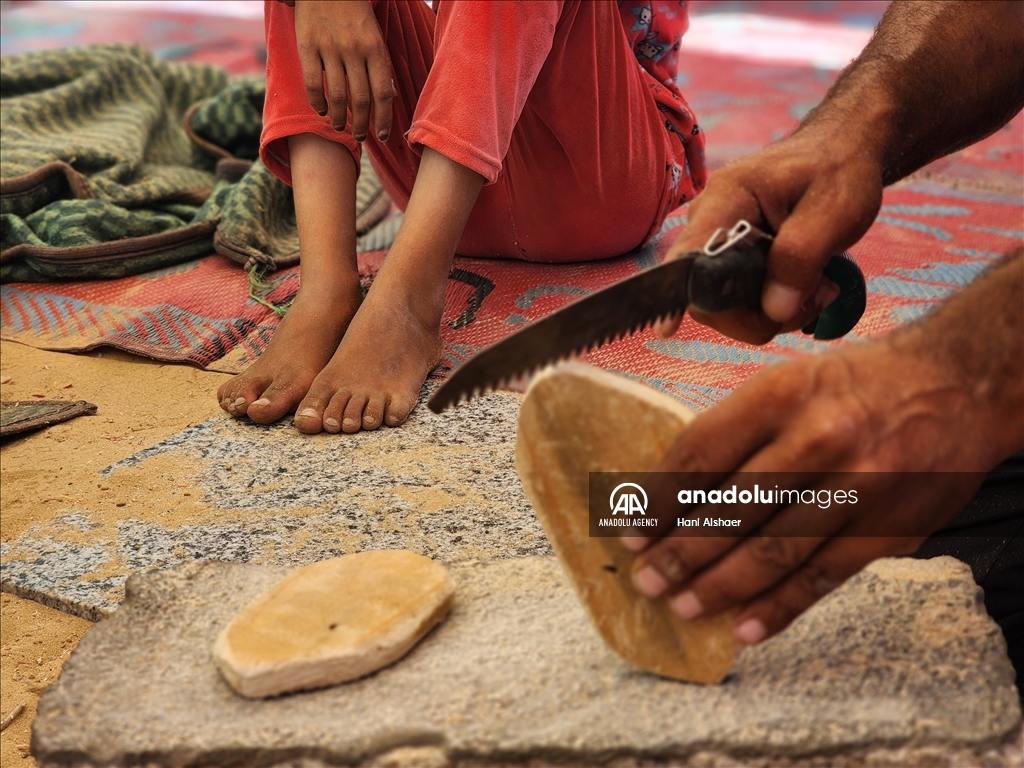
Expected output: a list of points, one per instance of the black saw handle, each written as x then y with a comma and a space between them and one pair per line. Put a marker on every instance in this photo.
735, 276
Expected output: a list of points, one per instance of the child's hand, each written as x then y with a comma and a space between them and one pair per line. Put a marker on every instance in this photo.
345, 64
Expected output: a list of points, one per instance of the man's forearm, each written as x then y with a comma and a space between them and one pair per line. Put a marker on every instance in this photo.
978, 335
935, 77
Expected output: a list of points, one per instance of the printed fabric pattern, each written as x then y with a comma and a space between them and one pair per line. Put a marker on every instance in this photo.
654, 30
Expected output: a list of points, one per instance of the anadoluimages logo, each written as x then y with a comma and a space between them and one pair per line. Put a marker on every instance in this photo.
627, 502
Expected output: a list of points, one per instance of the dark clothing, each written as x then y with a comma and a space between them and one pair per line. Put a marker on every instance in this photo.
988, 535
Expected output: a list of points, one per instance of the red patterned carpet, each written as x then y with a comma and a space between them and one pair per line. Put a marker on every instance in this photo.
935, 233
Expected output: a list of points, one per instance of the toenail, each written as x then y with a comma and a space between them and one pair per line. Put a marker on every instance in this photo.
331, 423
261, 402
238, 402
350, 422
308, 413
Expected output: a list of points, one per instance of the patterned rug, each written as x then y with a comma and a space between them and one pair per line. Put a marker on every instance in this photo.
935, 233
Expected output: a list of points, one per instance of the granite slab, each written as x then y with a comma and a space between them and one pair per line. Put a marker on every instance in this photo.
443, 486
902, 658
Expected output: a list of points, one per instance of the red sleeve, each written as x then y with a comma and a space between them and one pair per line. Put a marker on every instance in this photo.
286, 110
487, 58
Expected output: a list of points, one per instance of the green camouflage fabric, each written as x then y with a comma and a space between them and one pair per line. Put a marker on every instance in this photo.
116, 162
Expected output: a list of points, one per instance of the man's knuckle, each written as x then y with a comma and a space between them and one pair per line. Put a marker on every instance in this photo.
361, 101
670, 563
814, 581
694, 459
775, 554
781, 387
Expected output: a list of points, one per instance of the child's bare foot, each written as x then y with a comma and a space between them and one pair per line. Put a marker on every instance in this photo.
300, 348
347, 376
394, 339
377, 372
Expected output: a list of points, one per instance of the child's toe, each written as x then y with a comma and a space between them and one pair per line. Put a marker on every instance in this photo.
352, 421
373, 413
335, 410
397, 410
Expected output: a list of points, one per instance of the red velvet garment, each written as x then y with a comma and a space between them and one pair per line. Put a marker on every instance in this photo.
569, 114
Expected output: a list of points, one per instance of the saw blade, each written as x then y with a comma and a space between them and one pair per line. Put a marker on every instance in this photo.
604, 316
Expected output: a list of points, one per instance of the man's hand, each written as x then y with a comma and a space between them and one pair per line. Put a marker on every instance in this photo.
943, 398
863, 409
342, 53
922, 88
817, 200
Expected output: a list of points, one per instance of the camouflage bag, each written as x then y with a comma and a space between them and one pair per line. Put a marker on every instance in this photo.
116, 163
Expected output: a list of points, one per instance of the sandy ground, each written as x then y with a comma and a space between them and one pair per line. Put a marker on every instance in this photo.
139, 403
34, 642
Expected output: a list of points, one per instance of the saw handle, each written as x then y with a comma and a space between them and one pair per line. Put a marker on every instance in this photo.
735, 278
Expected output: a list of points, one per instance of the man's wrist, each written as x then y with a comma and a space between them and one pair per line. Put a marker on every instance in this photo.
975, 344
856, 120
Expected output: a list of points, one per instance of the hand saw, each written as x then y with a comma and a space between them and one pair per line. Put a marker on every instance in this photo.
727, 272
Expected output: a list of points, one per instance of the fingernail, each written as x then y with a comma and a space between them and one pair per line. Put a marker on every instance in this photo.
383, 136
308, 413
331, 423
780, 302
649, 582
686, 606
751, 632
633, 543
360, 138
262, 402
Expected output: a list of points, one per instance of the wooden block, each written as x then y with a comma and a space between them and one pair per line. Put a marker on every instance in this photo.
577, 419
333, 621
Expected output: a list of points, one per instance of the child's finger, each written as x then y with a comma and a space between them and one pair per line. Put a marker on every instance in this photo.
337, 93
313, 79
359, 99
379, 70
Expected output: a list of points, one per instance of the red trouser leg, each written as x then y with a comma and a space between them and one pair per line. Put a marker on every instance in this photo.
544, 99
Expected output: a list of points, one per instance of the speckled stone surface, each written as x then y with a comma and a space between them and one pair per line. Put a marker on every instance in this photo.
903, 657
442, 486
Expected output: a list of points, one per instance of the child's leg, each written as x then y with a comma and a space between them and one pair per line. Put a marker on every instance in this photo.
394, 340
377, 372
583, 177
324, 178
508, 86
303, 148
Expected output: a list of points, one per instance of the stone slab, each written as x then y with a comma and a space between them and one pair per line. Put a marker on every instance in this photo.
443, 486
902, 657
